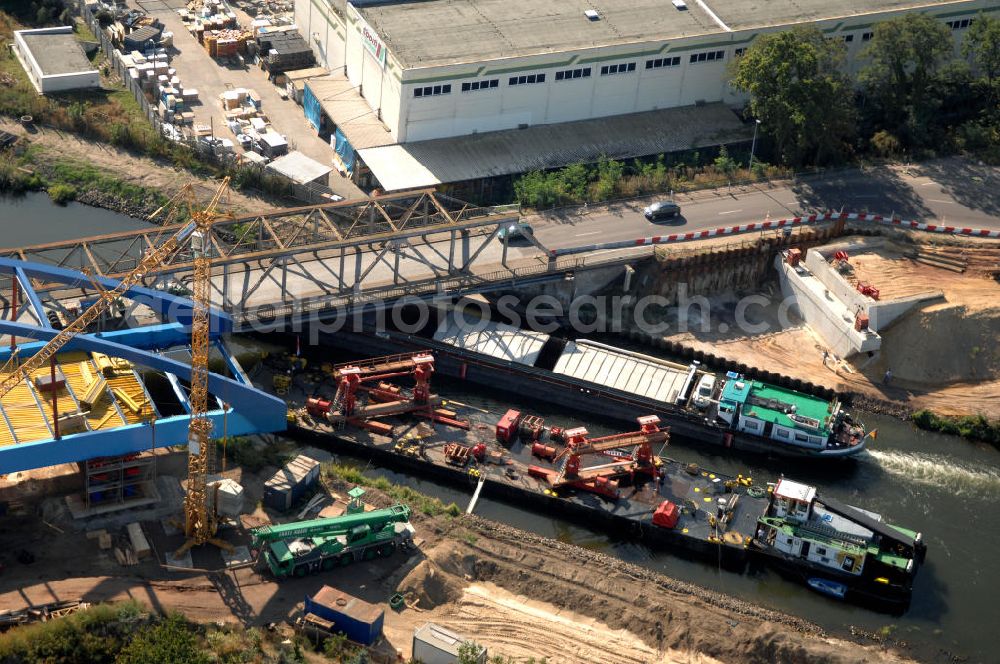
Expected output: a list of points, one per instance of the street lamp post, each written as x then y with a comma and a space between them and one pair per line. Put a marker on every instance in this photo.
753, 145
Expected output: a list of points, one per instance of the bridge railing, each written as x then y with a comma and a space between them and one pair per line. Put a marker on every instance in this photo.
447, 287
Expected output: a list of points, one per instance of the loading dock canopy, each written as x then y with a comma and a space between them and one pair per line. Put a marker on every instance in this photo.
494, 339
429, 163
299, 168
622, 370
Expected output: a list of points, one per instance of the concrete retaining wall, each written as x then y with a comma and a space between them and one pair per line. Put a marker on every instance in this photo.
816, 262
881, 313
823, 311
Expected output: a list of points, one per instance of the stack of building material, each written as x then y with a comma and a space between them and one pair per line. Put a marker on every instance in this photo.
233, 99
291, 483
96, 389
283, 51
226, 43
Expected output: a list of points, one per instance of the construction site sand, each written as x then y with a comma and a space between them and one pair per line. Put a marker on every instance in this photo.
943, 355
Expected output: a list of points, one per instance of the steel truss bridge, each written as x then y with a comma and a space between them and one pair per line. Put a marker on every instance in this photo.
294, 263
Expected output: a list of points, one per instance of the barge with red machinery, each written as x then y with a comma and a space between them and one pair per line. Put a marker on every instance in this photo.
704, 408
384, 408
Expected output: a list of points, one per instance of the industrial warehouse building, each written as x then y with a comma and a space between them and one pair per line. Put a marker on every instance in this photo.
54, 60
424, 91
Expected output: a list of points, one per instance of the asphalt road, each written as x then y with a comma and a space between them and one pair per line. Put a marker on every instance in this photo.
950, 192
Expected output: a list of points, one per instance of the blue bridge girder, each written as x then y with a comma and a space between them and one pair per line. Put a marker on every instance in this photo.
249, 409
168, 306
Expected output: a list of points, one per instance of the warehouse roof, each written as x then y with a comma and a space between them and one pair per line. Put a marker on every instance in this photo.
56, 52
440, 32
429, 163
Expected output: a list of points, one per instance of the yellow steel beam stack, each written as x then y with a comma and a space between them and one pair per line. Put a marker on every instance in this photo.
80, 374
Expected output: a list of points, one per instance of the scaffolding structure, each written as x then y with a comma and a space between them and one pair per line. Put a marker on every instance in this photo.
118, 481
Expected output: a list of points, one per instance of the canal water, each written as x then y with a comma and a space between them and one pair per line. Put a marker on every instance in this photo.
33, 218
945, 487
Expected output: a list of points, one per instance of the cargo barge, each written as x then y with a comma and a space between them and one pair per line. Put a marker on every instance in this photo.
621, 483
702, 408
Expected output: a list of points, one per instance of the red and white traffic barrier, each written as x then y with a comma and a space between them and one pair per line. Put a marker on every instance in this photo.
772, 224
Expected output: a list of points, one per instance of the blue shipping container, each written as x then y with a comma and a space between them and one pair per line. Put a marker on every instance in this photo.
360, 621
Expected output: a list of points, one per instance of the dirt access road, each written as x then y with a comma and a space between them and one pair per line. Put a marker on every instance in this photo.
515, 592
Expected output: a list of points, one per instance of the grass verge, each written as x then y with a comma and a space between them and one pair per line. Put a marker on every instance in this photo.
417, 501
971, 427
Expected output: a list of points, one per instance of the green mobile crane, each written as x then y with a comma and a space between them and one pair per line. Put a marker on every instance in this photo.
305, 547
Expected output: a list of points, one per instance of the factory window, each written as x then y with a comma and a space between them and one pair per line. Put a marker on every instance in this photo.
622, 68
867, 36
481, 85
663, 62
708, 56
565, 75
432, 90
959, 25
526, 80
738, 52
848, 38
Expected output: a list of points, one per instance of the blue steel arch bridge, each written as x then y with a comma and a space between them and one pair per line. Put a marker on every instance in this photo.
95, 400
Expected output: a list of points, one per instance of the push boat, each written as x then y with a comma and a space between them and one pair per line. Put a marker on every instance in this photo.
703, 408
622, 483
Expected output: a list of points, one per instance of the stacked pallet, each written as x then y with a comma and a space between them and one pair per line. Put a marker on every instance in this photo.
284, 51
226, 43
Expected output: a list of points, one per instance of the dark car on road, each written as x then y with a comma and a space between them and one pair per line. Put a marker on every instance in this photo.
662, 210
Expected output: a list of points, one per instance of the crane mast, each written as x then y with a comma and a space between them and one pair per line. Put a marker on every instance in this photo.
200, 524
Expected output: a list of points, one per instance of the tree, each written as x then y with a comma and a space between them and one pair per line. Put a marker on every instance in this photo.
609, 177
170, 641
905, 56
982, 47
724, 163
799, 93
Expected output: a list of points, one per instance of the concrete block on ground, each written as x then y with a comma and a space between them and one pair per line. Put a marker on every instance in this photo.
184, 562
169, 528
138, 540
239, 556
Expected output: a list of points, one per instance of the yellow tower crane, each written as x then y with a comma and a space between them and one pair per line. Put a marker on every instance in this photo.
200, 523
